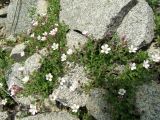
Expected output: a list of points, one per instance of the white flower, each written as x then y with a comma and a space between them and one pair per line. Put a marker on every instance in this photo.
43, 23
43, 38
45, 34
63, 57
55, 46
53, 31
132, 49
74, 108
155, 57
25, 79
56, 24
4, 101
121, 91
21, 68
1, 85
85, 32
69, 51
32, 35
35, 23
49, 77
33, 109
22, 53
146, 64
39, 37
105, 49
133, 66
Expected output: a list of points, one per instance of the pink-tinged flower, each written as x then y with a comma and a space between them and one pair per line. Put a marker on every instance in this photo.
53, 31
85, 33
35, 23
14, 89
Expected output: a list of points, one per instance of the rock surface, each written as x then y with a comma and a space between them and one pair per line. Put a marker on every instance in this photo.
97, 105
3, 11
17, 50
3, 115
15, 75
51, 116
94, 16
75, 40
70, 91
153, 50
138, 25
19, 15
148, 101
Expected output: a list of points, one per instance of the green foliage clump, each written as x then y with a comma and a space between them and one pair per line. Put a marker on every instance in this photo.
112, 72
5, 62
38, 84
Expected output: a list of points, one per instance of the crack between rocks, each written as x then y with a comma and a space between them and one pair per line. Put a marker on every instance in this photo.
116, 21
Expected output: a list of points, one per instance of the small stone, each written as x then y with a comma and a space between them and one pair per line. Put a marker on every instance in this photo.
18, 52
77, 96
3, 11
75, 40
138, 25
3, 115
94, 16
97, 105
51, 116
32, 64
148, 101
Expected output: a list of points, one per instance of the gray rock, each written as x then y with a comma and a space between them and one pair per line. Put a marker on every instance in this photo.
148, 101
51, 116
32, 64
97, 105
26, 100
96, 17
14, 76
64, 94
3, 115
16, 52
153, 50
44, 52
19, 15
75, 40
3, 11
138, 25
18, 18
42, 6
